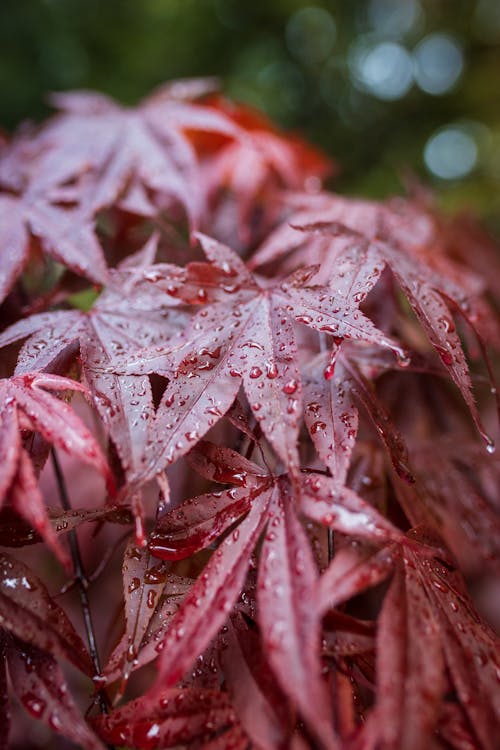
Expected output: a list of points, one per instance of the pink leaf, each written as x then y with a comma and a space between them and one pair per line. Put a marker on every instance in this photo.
175, 588
210, 599
290, 621
144, 580
327, 502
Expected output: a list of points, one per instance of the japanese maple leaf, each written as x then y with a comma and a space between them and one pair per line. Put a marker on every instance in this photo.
119, 145
15, 532
429, 639
252, 168
145, 626
67, 235
260, 704
427, 605
245, 334
401, 237
290, 625
30, 613
458, 498
27, 404
331, 412
190, 718
130, 314
151, 596
41, 687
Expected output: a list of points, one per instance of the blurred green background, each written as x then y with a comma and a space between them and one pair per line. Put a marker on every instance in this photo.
387, 87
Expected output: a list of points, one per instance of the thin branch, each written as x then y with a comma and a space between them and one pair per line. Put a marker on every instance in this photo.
81, 579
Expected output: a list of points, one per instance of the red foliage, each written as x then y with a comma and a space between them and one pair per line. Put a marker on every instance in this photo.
295, 502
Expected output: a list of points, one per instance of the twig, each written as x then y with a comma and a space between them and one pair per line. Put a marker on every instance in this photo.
81, 580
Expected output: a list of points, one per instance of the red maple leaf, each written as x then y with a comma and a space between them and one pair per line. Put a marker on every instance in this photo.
115, 147
246, 335
286, 566
28, 405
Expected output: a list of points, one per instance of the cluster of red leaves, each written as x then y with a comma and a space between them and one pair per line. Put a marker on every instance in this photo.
278, 390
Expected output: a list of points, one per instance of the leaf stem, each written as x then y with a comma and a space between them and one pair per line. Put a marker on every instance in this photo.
81, 579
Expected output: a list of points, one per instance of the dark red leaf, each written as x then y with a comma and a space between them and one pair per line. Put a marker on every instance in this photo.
169, 719
15, 532
259, 702
28, 611
5, 716
410, 674
210, 599
42, 690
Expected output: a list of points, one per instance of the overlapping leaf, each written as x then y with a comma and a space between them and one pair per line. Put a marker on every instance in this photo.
190, 718
29, 612
402, 237
131, 653
267, 501
118, 146
458, 498
131, 314
428, 623
144, 580
289, 621
67, 235
331, 413
27, 404
246, 334
41, 687
252, 168
260, 704
15, 532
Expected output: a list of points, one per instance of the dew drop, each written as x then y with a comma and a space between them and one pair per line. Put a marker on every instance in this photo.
133, 585
329, 371
271, 370
151, 599
439, 585
448, 324
255, 372
490, 446
290, 387
446, 356
36, 706
155, 575
55, 722
404, 359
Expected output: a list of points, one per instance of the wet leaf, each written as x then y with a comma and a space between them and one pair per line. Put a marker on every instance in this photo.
29, 612
41, 687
